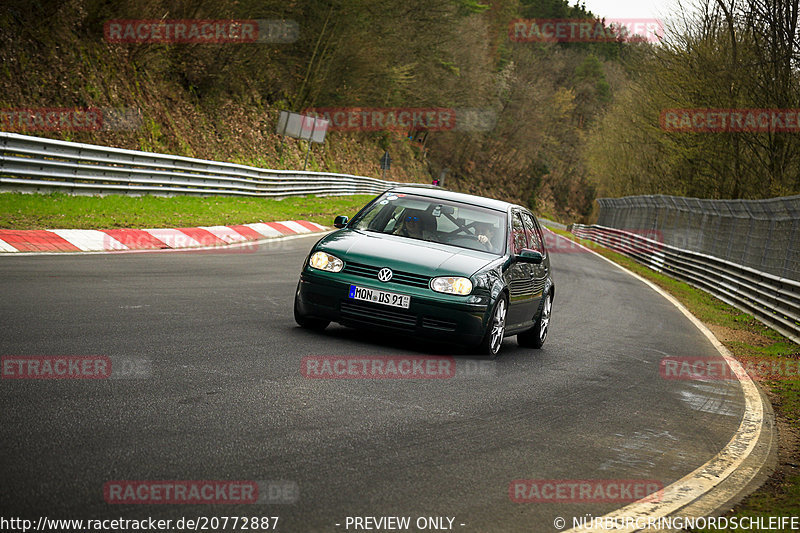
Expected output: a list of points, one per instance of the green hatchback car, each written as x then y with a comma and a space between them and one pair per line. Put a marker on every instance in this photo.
433, 263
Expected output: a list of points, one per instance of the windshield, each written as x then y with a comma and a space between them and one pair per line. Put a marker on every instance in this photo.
435, 220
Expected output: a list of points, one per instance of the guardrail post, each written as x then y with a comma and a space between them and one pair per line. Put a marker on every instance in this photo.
789, 250
731, 234
750, 230
767, 242
3, 159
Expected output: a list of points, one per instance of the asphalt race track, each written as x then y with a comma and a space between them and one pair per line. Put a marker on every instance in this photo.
224, 398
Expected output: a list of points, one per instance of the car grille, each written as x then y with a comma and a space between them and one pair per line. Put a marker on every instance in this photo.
403, 278
394, 318
435, 323
378, 315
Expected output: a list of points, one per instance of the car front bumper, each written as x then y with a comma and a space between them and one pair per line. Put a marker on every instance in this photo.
451, 318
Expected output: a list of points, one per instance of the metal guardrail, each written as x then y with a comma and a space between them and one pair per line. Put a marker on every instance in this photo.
773, 300
36, 164
762, 234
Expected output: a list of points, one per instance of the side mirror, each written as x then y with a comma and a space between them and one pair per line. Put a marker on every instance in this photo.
340, 221
530, 256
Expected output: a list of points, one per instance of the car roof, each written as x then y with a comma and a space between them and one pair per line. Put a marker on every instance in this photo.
444, 194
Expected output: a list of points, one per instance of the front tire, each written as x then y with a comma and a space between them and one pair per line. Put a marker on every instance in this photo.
535, 337
495, 329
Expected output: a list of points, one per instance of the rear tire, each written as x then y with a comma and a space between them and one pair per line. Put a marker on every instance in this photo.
535, 337
495, 329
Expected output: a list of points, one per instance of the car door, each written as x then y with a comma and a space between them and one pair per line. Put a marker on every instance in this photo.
520, 283
538, 272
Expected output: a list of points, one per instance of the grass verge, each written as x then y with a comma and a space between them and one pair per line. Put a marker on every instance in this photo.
748, 340
62, 211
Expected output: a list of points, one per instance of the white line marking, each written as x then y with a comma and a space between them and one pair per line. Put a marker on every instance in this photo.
225, 233
264, 230
5, 247
89, 239
299, 228
173, 238
699, 482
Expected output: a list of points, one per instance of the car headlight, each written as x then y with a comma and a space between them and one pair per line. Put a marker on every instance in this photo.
452, 285
325, 261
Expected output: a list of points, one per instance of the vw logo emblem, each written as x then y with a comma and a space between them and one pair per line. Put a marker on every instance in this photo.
385, 274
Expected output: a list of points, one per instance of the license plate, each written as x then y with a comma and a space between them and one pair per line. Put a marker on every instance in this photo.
380, 297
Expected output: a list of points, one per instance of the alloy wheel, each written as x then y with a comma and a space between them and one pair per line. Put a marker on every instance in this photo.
498, 325
545, 319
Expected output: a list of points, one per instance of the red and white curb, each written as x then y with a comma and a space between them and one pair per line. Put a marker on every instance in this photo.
108, 240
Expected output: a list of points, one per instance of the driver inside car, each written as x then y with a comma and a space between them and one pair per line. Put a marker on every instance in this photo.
414, 225
486, 233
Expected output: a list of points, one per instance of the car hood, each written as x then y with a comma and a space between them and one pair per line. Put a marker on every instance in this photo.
404, 254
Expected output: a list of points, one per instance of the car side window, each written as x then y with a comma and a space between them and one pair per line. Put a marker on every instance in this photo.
541, 235
518, 233
534, 237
